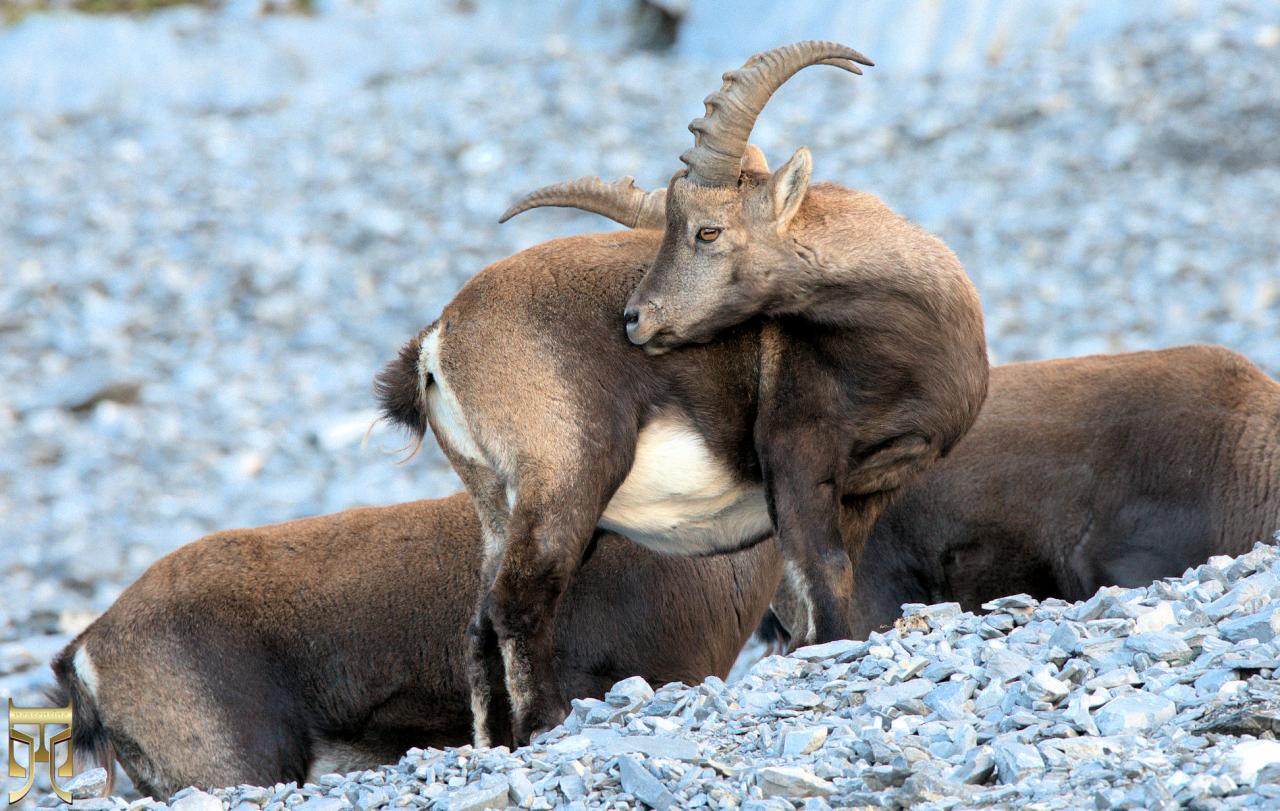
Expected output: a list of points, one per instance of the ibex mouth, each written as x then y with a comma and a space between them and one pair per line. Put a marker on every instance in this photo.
648, 332
658, 341
643, 321
639, 334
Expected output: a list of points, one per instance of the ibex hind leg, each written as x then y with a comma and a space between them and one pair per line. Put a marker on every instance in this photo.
551, 526
486, 678
558, 456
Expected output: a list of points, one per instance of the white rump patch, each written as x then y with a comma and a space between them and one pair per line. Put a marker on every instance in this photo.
445, 413
83, 667
679, 499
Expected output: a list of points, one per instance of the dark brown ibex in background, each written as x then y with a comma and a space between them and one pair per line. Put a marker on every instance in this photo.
1156, 459
335, 643
1082, 473
871, 364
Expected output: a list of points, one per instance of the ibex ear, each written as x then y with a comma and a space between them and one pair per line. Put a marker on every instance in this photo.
788, 185
753, 161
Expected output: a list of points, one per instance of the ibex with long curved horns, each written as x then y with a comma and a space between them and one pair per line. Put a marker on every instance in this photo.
829, 384
884, 364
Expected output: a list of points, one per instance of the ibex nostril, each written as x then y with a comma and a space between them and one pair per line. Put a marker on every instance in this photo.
631, 316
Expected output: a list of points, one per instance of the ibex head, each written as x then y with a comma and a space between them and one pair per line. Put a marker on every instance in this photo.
726, 228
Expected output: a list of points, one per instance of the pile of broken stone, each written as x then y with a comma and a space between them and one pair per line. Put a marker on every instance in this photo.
1155, 697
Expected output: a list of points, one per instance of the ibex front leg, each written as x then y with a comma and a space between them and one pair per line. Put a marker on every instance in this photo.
802, 473
545, 542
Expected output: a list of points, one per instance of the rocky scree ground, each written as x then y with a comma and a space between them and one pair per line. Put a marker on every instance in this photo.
1141, 698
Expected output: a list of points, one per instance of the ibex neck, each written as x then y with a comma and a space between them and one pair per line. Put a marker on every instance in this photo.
849, 252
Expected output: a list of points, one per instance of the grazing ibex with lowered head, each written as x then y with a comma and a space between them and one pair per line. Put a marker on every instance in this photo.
849, 354
1082, 473
334, 643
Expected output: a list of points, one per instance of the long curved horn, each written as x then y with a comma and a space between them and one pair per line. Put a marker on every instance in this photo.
621, 201
720, 137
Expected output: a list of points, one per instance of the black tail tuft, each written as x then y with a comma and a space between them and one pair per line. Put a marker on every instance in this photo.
396, 388
88, 736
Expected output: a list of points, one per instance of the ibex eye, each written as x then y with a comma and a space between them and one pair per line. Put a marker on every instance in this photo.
708, 234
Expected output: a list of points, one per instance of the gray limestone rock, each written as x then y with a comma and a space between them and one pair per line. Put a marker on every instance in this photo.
641, 784
1134, 713
792, 781
87, 784
1016, 761
491, 792
1262, 625
199, 801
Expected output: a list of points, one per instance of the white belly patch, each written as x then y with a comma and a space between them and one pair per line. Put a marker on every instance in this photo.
680, 500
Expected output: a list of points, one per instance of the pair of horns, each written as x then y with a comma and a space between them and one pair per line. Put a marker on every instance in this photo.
720, 145
621, 201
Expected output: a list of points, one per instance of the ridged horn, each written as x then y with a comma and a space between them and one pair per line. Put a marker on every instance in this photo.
720, 136
621, 201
